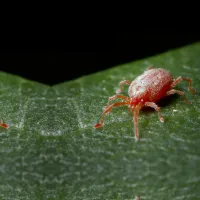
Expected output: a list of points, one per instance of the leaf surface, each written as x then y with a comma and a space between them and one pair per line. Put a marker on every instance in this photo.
52, 151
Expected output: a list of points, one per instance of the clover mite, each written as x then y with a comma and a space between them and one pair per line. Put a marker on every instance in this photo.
146, 90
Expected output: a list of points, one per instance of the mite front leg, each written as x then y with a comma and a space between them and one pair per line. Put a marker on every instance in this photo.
153, 105
121, 85
150, 67
119, 97
3, 125
178, 92
135, 121
107, 109
179, 79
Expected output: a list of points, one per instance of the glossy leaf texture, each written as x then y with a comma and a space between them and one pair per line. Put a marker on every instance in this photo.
52, 151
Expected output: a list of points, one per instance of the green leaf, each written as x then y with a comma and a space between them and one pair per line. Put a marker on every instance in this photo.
52, 151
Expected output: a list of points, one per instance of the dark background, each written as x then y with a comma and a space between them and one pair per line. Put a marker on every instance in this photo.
54, 60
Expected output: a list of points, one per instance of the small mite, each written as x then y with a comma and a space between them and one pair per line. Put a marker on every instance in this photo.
3, 125
146, 90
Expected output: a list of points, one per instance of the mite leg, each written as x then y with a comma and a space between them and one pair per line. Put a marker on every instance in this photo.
119, 97
3, 124
121, 85
153, 105
135, 121
150, 67
177, 92
179, 79
107, 109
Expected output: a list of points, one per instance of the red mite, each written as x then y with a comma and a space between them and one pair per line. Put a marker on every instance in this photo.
145, 90
3, 124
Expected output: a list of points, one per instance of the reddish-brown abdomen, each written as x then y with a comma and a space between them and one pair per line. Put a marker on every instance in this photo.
152, 85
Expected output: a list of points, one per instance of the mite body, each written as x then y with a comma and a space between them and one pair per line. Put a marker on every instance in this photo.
146, 90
